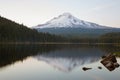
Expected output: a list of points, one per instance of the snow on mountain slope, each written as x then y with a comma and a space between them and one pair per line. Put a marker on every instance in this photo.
67, 20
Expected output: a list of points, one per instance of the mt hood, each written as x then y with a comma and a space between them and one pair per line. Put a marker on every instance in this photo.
70, 26
67, 20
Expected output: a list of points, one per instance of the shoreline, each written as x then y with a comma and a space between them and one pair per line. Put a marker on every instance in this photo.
67, 43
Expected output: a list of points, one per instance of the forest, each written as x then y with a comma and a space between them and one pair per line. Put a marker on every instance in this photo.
11, 31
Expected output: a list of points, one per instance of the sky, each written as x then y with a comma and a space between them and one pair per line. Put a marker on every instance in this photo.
34, 12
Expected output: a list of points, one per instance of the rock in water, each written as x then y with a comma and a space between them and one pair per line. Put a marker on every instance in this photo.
99, 67
110, 62
116, 65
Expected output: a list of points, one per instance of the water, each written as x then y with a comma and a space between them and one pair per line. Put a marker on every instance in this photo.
55, 62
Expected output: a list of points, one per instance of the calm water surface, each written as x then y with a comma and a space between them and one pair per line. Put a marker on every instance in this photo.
55, 62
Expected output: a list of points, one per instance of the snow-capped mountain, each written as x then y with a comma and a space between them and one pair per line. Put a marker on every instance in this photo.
70, 26
67, 20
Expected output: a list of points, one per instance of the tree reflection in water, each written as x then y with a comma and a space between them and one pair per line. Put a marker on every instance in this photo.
72, 54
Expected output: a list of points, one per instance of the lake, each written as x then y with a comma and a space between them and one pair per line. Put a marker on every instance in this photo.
55, 62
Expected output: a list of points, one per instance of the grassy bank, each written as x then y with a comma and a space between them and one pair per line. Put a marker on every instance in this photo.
117, 54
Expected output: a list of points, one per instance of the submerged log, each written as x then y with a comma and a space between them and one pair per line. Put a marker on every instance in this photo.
85, 68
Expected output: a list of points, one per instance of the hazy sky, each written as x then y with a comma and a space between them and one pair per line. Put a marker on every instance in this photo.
34, 12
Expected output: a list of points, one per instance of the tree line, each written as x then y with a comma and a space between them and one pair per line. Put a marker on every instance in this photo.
11, 31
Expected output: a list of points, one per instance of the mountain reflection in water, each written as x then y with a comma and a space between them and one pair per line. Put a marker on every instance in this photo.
67, 59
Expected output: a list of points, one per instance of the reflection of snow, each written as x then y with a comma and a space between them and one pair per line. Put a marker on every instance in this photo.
66, 64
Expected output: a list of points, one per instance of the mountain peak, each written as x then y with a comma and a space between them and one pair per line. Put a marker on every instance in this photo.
68, 20
66, 14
